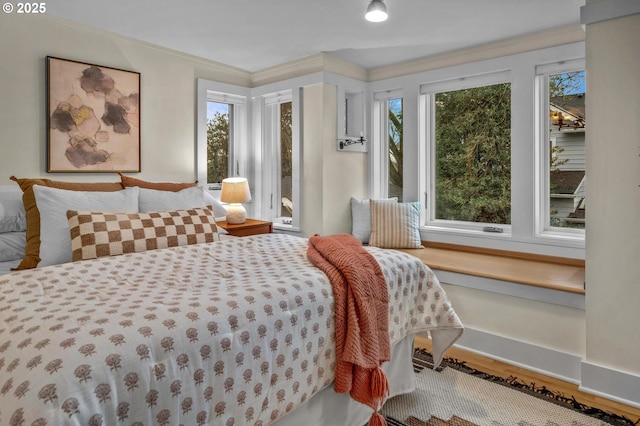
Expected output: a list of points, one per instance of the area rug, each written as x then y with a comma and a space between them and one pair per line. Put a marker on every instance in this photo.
457, 395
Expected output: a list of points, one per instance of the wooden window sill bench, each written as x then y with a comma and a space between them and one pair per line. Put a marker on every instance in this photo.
539, 271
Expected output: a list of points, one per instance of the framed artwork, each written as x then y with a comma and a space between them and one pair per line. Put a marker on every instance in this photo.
93, 118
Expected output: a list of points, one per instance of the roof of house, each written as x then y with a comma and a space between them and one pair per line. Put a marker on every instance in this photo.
565, 181
568, 111
573, 104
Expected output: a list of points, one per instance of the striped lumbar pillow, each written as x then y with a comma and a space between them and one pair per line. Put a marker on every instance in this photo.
395, 225
361, 217
98, 234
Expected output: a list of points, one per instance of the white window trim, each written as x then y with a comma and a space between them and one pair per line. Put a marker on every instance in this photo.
427, 98
380, 141
238, 96
271, 171
542, 154
522, 66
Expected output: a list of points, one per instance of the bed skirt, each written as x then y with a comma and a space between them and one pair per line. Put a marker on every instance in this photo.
331, 408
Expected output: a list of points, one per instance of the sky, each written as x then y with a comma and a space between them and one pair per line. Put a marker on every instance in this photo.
581, 87
213, 107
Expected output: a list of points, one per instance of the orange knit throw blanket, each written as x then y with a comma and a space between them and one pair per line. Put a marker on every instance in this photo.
361, 316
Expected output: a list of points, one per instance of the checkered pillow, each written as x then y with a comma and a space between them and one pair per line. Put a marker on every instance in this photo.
98, 234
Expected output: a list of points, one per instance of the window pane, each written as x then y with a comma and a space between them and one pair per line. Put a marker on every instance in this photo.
286, 162
218, 140
395, 148
567, 187
473, 154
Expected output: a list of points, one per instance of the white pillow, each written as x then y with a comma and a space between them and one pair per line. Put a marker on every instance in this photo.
12, 245
218, 209
395, 225
361, 217
13, 217
53, 203
154, 200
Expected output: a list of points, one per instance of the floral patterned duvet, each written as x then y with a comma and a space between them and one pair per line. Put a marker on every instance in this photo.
236, 332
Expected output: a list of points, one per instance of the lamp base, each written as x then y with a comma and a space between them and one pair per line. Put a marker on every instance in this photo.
236, 214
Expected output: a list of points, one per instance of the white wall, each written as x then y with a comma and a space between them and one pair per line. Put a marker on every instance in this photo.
613, 176
167, 95
535, 323
330, 178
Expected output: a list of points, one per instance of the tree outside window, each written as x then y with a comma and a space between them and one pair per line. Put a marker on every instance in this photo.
395, 147
473, 154
286, 160
218, 139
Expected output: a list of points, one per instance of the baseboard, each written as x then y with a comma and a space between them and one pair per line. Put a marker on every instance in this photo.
542, 360
591, 378
612, 384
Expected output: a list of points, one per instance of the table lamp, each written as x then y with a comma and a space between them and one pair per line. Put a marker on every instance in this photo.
235, 191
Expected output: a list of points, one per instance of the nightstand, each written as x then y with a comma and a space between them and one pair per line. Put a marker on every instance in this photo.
249, 227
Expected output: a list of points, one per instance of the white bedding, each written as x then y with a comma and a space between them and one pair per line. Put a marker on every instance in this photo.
234, 332
5, 267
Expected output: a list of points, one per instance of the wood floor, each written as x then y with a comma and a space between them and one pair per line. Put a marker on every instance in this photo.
502, 369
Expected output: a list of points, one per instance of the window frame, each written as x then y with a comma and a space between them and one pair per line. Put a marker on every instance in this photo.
543, 229
380, 140
428, 93
272, 170
238, 97
522, 65
218, 99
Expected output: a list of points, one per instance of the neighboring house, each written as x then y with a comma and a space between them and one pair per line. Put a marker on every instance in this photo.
567, 177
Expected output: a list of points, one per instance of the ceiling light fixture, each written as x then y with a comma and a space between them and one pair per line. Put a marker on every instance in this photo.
376, 11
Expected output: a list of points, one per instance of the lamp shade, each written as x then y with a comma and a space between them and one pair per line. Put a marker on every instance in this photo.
235, 190
376, 11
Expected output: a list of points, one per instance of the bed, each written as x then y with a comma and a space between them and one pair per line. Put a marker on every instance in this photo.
238, 331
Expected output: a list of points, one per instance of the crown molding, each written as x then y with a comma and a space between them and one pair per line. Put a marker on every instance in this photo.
550, 38
287, 70
310, 64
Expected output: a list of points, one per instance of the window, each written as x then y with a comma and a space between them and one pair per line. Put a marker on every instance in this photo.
286, 161
470, 152
487, 152
221, 132
394, 111
278, 132
226, 119
561, 141
219, 125
389, 124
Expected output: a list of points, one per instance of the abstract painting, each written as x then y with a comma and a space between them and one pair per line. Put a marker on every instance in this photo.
93, 118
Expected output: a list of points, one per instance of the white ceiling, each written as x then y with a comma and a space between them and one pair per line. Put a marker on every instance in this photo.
257, 34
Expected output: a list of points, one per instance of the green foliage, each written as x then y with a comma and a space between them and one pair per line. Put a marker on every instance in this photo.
395, 153
286, 158
473, 154
218, 148
286, 140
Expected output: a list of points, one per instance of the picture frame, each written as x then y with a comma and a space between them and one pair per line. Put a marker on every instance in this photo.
93, 118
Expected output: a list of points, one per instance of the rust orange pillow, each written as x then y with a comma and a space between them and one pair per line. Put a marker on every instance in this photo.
161, 186
32, 250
